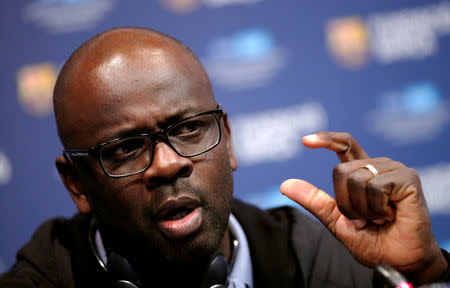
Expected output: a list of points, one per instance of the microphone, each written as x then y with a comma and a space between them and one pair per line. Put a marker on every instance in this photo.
392, 276
397, 280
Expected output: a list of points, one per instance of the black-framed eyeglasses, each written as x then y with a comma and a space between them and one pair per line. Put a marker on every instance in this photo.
128, 156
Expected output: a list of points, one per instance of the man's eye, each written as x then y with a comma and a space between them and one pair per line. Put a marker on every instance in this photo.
188, 129
124, 148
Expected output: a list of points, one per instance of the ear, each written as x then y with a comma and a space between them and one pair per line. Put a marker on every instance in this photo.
71, 179
227, 138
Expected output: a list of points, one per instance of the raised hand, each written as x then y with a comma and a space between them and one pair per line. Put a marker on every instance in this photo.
379, 211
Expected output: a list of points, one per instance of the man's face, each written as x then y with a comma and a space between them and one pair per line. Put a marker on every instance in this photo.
178, 208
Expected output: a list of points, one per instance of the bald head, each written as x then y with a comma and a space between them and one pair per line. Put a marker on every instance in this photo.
115, 61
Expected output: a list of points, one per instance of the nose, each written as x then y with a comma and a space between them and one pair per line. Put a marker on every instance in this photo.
167, 165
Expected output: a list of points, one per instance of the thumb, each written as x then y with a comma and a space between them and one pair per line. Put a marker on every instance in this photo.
316, 201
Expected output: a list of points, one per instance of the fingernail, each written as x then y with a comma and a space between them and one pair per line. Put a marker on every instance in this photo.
310, 137
358, 223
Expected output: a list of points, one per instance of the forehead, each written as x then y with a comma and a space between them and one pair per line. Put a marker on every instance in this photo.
134, 86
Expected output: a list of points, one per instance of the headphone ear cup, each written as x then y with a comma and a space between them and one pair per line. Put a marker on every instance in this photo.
217, 274
124, 284
121, 271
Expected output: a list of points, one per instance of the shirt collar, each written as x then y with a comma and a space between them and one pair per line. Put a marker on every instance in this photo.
241, 270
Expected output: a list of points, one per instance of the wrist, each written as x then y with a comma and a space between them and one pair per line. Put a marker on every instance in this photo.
433, 271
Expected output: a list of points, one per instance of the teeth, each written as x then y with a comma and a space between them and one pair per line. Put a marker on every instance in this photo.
178, 213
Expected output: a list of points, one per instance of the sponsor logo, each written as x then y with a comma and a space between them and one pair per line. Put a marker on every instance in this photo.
35, 85
347, 40
181, 6
281, 139
408, 34
411, 114
247, 59
5, 170
188, 6
64, 16
435, 181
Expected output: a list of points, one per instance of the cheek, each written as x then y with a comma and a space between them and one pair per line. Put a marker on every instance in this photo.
117, 204
218, 175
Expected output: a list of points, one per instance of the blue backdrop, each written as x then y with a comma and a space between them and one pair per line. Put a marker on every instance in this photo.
282, 69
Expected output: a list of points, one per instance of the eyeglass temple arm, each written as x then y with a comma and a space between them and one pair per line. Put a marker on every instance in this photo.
76, 153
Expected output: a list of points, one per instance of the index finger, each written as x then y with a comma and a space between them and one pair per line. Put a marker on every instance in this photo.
345, 146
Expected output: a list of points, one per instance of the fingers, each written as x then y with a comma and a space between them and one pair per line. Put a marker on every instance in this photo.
361, 195
345, 146
316, 201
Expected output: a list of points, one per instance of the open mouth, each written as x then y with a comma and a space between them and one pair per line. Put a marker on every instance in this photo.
178, 213
180, 217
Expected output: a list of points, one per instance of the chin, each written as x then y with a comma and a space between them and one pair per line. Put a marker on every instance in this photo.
176, 263
196, 250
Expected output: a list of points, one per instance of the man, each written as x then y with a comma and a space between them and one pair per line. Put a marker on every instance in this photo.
148, 162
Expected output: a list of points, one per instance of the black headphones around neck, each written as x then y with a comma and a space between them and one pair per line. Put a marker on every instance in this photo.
121, 273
